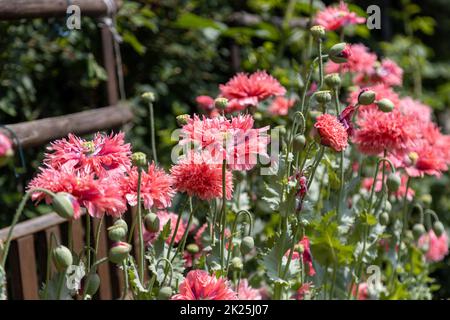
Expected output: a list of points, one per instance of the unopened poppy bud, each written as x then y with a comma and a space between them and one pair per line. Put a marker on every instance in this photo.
119, 252
64, 205
116, 233
299, 143
388, 206
418, 230
339, 53
165, 293
91, 284
139, 159
438, 228
385, 105
281, 130
323, 96
221, 103
192, 248
366, 97
183, 119
258, 116
384, 218
151, 222
333, 80
427, 198
236, 264
393, 182
318, 32
148, 96
247, 245
409, 235
62, 257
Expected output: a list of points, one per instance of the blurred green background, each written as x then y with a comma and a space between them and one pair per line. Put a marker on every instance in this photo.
182, 49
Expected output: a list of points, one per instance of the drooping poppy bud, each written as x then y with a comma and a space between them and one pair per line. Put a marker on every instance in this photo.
247, 245
91, 284
62, 257
418, 230
385, 105
339, 53
299, 143
66, 205
119, 252
151, 222
393, 182
165, 293
366, 97
384, 218
438, 228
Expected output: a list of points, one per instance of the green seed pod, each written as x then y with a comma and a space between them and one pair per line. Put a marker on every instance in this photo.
182, 119
165, 293
388, 206
236, 264
247, 245
148, 96
384, 218
385, 105
366, 97
418, 230
323, 96
121, 223
151, 222
318, 32
62, 257
221, 103
119, 252
393, 182
299, 143
339, 53
116, 233
333, 80
438, 228
92, 283
192, 248
64, 203
139, 159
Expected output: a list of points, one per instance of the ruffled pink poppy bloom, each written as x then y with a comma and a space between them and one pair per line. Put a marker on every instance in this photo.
246, 292
389, 73
332, 133
306, 255
104, 153
415, 108
360, 61
363, 291
199, 176
98, 196
200, 285
232, 139
6, 146
336, 17
301, 292
247, 90
164, 218
280, 106
436, 247
378, 131
399, 194
156, 187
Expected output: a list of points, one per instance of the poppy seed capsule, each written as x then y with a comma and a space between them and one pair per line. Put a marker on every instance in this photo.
62, 257
116, 233
221, 103
385, 105
393, 182
121, 223
323, 96
438, 228
119, 252
299, 143
151, 222
318, 32
384, 218
388, 206
339, 53
165, 293
139, 159
236, 264
366, 97
63, 204
192, 248
333, 80
418, 230
148, 96
182, 119
92, 283
247, 245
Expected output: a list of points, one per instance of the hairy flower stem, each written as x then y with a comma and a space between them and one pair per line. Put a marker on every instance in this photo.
342, 156
175, 231
16, 219
191, 214
223, 217
88, 242
233, 231
97, 236
125, 278
320, 64
152, 130
140, 231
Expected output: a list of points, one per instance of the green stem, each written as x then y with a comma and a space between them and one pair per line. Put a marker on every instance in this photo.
191, 214
125, 277
223, 216
320, 64
97, 236
60, 284
88, 241
140, 231
152, 128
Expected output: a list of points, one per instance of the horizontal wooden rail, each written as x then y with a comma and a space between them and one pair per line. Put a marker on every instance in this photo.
18, 9
38, 132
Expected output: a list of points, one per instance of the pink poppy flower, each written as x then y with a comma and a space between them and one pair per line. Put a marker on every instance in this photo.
332, 133
98, 196
303, 291
6, 146
156, 187
437, 247
306, 255
415, 108
199, 176
164, 217
200, 285
104, 153
336, 17
246, 292
247, 90
280, 106
363, 291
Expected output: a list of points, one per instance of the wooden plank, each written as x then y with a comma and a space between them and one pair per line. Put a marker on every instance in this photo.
18, 9
77, 236
37, 132
110, 65
13, 276
105, 290
27, 267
